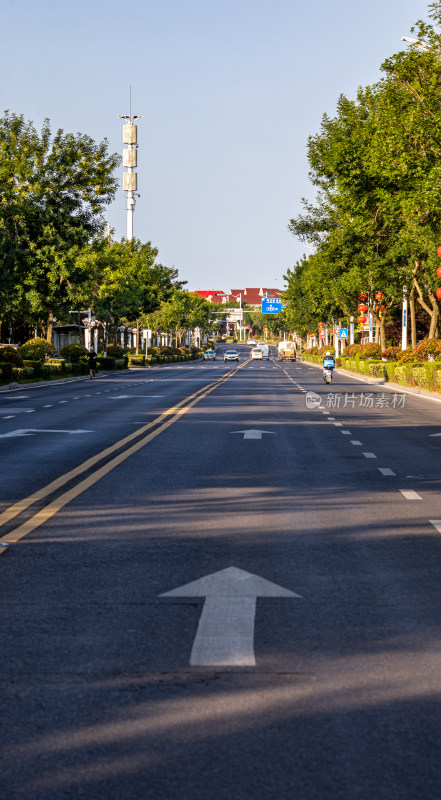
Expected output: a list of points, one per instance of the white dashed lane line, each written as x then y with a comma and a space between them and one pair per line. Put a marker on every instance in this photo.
409, 494
346, 433
436, 524
386, 471
356, 442
369, 455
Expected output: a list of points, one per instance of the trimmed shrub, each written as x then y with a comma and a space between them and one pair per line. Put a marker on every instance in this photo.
376, 369
11, 355
106, 362
400, 373
36, 365
389, 370
56, 362
352, 349
420, 377
36, 349
22, 372
407, 356
6, 368
79, 369
392, 353
137, 361
437, 378
426, 348
49, 370
115, 351
73, 353
369, 350
120, 363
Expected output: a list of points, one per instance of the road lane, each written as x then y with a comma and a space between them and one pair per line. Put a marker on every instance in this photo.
39, 458
343, 702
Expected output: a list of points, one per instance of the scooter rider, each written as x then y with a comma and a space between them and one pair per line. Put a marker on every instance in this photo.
328, 360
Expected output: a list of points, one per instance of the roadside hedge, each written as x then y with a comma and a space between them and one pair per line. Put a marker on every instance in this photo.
419, 374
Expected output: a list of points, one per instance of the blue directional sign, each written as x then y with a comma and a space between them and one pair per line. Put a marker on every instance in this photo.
343, 333
271, 305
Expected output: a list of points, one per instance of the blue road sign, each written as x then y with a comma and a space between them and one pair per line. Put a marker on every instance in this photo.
343, 333
271, 305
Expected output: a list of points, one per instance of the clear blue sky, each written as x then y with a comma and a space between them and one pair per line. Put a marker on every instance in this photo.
229, 91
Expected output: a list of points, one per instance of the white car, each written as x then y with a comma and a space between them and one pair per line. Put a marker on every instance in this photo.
256, 353
265, 349
251, 341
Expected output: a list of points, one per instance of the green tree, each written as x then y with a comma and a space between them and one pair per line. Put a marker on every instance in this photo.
54, 189
183, 312
130, 283
377, 219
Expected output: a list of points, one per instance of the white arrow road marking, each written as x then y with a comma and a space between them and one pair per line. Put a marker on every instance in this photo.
252, 433
30, 431
225, 634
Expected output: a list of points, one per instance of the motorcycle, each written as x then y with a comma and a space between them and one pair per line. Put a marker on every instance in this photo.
327, 375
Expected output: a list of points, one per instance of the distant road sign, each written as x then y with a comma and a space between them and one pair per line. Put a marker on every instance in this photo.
343, 333
271, 305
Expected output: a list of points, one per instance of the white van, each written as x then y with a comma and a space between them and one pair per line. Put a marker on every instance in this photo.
265, 349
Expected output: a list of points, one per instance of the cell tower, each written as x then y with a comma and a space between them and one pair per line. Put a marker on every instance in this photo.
130, 160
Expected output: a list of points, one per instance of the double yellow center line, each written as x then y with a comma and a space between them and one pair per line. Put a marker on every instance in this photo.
160, 424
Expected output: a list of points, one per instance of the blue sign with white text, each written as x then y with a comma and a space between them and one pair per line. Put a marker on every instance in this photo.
343, 333
271, 305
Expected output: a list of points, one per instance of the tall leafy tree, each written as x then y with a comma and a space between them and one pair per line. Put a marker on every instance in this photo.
53, 190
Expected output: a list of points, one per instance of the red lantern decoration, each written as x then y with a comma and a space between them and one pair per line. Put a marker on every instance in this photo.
439, 251
362, 296
379, 296
362, 308
438, 293
321, 324
382, 307
362, 319
438, 272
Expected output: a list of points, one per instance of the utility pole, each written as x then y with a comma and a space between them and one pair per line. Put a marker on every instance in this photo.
130, 160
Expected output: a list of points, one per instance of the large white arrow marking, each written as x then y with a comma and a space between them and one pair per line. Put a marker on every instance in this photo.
30, 431
225, 634
252, 433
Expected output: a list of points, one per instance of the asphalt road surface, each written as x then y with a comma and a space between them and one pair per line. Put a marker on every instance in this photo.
220, 582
